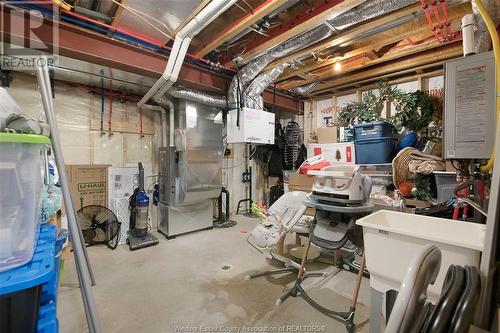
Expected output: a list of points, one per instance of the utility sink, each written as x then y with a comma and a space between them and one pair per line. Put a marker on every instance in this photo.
392, 239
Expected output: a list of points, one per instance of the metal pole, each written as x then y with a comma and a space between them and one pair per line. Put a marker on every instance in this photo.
78, 247
84, 299
80, 234
82, 241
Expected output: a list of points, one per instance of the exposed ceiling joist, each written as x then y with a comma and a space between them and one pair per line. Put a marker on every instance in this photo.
237, 27
347, 35
372, 54
190, 17
364, 62
390, 78
410, 63
100, 49
118, 12
375, 42
337, 9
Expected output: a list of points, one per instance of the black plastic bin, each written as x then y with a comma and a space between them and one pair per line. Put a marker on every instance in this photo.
375, 151
373, 130
19, 311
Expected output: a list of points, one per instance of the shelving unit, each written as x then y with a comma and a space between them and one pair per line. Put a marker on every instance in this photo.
39, 279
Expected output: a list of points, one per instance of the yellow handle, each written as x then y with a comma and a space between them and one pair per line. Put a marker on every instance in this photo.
496, 51
62, 4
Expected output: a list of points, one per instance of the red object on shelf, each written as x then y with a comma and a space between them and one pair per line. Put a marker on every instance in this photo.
405, 188
318, 166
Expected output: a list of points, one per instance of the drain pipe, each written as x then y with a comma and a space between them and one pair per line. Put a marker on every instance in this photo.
171, 124
181, 43
163, 120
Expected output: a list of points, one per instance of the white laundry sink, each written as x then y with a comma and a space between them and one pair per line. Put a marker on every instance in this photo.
392, 239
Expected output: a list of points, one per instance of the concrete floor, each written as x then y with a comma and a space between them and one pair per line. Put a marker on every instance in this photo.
180, 283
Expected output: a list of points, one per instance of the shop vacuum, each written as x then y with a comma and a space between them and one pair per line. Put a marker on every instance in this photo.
138, 235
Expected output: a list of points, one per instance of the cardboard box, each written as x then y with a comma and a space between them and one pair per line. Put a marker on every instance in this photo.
88, 185
300, 182
335, 153
327, 134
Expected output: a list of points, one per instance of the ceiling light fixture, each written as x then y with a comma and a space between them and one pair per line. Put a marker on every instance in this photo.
337, 66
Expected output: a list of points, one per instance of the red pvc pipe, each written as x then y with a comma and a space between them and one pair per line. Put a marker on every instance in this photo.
110, 101
140, 117
129, 33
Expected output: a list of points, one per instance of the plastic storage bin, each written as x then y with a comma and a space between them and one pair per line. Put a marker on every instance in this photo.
375, 151
445, 184
21, 184
392, 239
373, 130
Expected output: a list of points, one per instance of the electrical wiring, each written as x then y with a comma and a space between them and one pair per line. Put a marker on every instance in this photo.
239, 6
138, 13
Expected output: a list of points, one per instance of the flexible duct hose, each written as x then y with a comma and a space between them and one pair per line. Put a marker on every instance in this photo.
496, 50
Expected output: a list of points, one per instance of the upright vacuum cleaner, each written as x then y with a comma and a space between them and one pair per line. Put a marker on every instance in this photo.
138, 235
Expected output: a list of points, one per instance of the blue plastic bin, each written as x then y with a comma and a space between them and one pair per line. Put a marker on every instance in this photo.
373, 130
375, 151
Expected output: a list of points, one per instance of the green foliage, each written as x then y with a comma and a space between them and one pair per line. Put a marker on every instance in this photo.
423, 186
414, 111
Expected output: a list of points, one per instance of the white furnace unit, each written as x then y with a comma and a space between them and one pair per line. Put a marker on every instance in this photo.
250, 125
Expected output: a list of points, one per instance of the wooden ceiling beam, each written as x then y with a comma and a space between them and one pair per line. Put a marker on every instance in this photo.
374, 42
313, 22
364, 62
411, 64
347, 35
237, 27
118, 12
372, 55
190, 17
367, 84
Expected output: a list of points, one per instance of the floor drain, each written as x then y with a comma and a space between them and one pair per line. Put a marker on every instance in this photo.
226, 267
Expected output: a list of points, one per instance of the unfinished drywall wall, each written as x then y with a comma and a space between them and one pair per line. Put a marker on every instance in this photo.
76, 110
78, 116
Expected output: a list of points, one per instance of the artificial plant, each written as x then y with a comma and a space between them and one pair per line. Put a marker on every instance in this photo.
414, 111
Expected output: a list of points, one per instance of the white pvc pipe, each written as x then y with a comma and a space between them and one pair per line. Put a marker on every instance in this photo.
171, 119
468, 34
181, 44
163, 119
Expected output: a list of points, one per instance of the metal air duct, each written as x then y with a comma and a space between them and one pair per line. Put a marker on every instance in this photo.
358, 14
304, 90
482, 37
253, 94
197, 96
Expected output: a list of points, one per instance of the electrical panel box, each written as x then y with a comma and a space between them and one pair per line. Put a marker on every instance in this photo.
469, 107
251, 126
